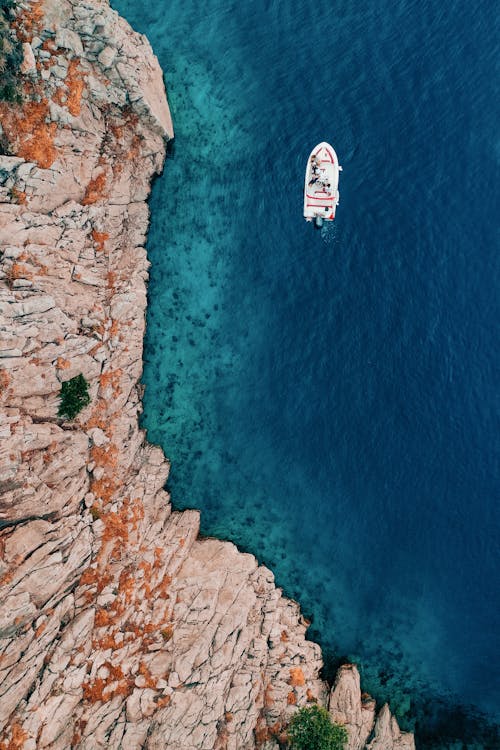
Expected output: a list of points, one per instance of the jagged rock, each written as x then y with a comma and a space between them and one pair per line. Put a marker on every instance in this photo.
107, 56
348, 707
387, 734
28, 64
68, 39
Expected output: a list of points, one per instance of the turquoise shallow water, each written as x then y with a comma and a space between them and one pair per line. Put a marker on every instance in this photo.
329, 399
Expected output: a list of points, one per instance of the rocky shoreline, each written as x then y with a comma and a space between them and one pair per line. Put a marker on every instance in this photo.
119, 626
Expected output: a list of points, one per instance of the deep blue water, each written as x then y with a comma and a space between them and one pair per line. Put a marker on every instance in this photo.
329, 399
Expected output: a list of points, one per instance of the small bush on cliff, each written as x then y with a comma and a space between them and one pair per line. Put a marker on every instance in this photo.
11, 55
74, 396
311, 729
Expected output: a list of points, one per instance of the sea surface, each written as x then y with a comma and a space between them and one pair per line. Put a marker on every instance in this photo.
329, 399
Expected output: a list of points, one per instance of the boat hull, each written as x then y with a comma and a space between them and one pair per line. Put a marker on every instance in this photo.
321, 193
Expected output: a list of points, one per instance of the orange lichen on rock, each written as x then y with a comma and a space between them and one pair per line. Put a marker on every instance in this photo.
17, 195
99, 417
117, 525
52, 447
79, 729
163, 701
158, 554
40, 629
262, 734
17, 271
63, 364
70, 96
102, 618
115, 528
147, 568
135, 148
111, 378
105, 488
111, 279
117, 131
4, 380
7, 577
276, 729
20, 271
95, 190
27, 130
105, 643
88, 577
49, 45
114, 330
268, 698
144, 671
29, 21
311, 698
127, 585
105, 456
168, 633
99, 239
104, 689
76, 84
13, 737
291, 698
297, 678
162, 588
136, 513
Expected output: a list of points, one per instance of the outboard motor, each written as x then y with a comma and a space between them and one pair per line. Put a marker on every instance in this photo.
318, 221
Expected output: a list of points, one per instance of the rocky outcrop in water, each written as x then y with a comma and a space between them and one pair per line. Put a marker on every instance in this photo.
119, 626
357, 711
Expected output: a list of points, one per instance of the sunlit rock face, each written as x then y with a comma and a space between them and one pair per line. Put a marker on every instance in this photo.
119, 626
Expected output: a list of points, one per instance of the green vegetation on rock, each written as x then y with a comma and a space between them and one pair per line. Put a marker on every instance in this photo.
11, 55
311, 728
74, 397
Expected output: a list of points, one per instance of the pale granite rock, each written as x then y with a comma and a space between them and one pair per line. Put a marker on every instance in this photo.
107, 56
69, 40
347, 707
28, 64
388, 735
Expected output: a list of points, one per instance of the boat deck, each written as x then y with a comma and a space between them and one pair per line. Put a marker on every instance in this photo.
321, 193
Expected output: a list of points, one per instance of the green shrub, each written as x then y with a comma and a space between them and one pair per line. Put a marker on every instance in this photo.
11, 55
74, 396
311, 729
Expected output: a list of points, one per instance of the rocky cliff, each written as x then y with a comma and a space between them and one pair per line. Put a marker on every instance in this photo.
119, 626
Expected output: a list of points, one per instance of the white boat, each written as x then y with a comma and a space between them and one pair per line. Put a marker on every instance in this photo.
321, 189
